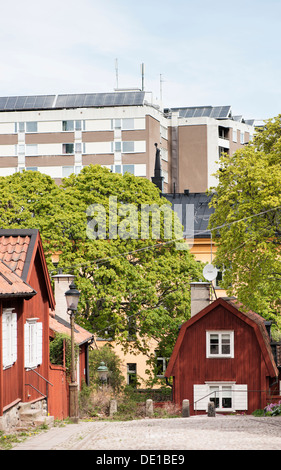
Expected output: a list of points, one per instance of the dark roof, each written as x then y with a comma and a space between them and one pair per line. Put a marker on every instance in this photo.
216, 112
202, 212
86, 100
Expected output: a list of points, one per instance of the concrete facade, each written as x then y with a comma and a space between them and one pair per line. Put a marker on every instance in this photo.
65, 135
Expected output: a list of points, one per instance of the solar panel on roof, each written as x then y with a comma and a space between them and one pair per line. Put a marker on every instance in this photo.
13, 103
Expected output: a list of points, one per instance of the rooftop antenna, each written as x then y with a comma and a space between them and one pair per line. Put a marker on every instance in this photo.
142, 77
116, 72
161, 88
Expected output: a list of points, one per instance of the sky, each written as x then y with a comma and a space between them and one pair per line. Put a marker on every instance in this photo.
195, 53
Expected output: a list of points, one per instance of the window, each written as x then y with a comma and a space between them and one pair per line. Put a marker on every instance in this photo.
123, 169
9, 337
67, 148
222, 151
70, 125
132, 374
33, 343
242, 140
220, 344
128, 123
227, 396
30, 126
67, 171
221, 396
78, 147
161, 366
31, 168
125, 124
234, 135
128, 147
128, 169
31, 149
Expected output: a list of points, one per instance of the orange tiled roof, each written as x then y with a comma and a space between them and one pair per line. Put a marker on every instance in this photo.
13, 250
12, 285
61, 326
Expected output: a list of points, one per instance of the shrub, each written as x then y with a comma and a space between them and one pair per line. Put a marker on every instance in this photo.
273, 409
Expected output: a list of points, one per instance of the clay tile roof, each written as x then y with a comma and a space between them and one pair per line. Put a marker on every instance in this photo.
13, 251
12, 285
59, 325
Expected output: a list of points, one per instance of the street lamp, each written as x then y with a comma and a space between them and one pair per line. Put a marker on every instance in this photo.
72, 299
103, 372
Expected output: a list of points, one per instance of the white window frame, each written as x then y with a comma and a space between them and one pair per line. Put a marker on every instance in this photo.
220, 334
33, 343
202, 396
9, 337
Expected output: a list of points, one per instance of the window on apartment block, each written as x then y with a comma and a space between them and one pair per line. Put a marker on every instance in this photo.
67, 148
125, 124
220, 344
31, 149
71, 125
67, 171
123, 169
32, 168
29, 126
33, 343
9, 337
128, 147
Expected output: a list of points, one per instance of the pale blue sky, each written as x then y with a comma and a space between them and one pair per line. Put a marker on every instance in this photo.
208, 52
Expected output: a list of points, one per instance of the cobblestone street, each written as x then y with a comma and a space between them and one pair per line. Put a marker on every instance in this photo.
194, 433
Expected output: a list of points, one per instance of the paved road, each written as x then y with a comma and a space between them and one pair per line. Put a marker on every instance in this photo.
193, 433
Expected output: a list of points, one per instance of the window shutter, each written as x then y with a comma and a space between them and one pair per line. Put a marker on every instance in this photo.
201, 397
26, 346
14, 337
4, 340
39, 342
240, 397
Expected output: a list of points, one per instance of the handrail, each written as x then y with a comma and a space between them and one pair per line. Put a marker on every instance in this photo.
35, 371
30, 385
47, 383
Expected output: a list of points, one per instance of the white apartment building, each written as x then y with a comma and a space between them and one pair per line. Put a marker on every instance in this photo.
60, 134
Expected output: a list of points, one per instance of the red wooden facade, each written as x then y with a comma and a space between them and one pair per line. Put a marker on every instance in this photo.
22, 252
251, 370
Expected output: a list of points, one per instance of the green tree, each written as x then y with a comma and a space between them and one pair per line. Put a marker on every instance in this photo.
246, 222
134, 286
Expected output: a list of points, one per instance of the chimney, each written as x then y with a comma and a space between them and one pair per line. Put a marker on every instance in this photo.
200, 296
61, 285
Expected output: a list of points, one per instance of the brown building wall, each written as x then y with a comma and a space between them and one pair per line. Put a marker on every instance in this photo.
192, 157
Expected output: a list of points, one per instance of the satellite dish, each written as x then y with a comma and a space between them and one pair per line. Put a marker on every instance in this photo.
210, 272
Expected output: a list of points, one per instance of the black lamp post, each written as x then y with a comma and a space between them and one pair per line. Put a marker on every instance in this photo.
72, 299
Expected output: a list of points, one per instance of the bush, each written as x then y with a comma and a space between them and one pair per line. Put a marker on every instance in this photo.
273, 409
112, 362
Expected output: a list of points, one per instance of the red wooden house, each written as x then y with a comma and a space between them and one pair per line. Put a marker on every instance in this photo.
223, 354
25, 300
